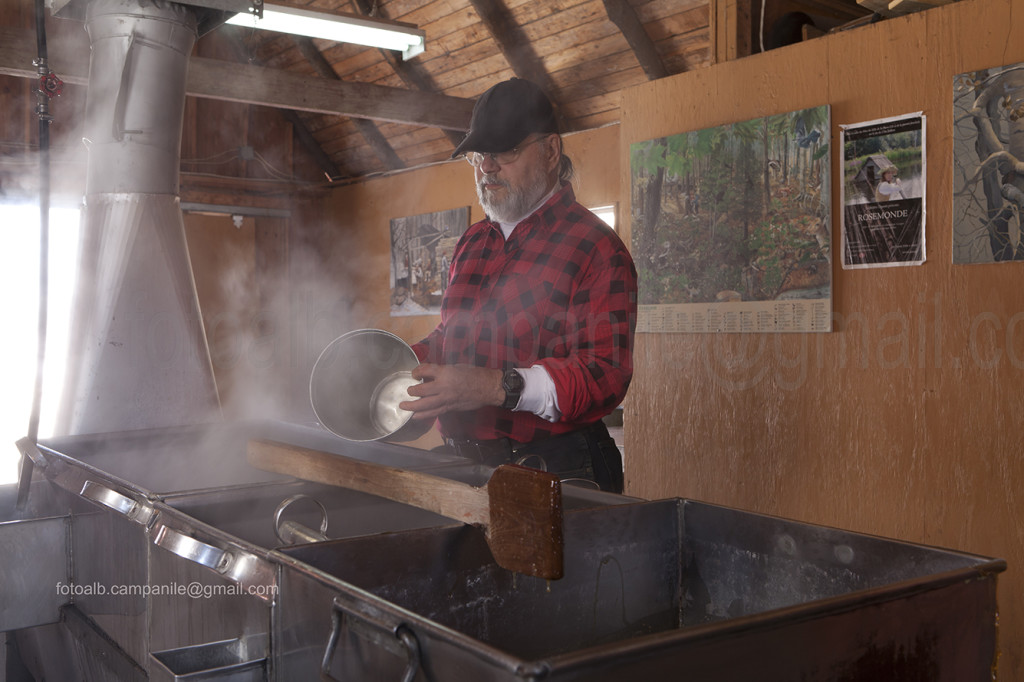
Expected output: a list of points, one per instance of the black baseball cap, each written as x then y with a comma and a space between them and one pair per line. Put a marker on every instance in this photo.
506, 115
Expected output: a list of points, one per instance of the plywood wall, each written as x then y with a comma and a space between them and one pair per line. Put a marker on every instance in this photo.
906, 421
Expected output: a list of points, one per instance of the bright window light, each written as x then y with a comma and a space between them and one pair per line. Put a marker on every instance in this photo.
19, 281
605, 213
341, 28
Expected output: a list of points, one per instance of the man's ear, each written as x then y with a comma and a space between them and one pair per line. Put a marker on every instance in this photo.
552, 151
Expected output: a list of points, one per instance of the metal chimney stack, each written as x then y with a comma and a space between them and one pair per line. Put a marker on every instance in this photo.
139, 354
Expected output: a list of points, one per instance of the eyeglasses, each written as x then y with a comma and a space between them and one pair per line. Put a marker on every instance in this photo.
476, 159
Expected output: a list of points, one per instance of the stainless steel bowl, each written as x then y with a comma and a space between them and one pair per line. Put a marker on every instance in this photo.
358, 382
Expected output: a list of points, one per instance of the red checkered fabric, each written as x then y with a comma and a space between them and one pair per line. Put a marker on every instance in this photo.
561, 292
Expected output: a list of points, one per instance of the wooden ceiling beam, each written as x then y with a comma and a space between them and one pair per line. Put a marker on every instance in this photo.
622, 14
368, 129
283, 89
249, 84
511, 40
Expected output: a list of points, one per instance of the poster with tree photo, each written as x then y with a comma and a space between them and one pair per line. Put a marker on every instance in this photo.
731, 226
988, 165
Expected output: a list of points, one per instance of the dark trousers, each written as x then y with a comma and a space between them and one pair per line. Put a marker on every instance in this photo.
588, 454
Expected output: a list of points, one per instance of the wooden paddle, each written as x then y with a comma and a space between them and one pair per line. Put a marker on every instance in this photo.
519, 509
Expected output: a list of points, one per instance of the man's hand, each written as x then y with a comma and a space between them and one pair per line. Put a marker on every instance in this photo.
453, 388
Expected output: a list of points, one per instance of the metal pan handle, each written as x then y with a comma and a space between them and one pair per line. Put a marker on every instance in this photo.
189, 548
290, 532
142, 514
390, 634
256, 576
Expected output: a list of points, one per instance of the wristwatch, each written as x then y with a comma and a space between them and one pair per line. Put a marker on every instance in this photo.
513, 382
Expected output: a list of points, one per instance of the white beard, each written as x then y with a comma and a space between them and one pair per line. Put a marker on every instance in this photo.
518, 201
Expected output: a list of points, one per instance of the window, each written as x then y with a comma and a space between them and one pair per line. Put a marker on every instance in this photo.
19, 279
607, 214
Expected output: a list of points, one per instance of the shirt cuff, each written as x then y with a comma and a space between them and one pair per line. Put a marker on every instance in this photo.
539, 395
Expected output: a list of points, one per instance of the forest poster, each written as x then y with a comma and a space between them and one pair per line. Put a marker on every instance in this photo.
731, 229
883, 192
421, 252
988, 165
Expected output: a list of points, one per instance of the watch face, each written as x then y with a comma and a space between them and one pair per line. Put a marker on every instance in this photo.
512, 381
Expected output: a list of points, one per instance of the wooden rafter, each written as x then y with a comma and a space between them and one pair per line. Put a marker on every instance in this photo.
368, 129
411, 73
514, 45
624, 17
250, 84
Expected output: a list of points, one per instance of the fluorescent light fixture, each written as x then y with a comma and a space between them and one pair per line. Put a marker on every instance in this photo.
339, 27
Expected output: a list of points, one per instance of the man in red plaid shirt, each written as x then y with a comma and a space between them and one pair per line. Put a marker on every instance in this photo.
535, 342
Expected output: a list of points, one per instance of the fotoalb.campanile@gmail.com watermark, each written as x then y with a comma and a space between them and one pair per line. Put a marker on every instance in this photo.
194, 590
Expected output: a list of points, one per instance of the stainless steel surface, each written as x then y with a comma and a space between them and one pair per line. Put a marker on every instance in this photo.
111, 571
236, 660
71, 650
357, 383
76, 9
650, 588
96, 656
33, 563
385, 413
210, 457
190, 488
141, 359
139, 52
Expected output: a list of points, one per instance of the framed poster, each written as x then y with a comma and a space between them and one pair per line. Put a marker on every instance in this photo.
883, 192
988, 187
731, 227
421, 251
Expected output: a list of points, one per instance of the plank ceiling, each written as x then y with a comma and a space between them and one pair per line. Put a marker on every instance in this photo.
582, 52
356, 112
572, 48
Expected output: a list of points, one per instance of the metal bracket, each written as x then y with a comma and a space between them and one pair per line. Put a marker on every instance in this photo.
376, 626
